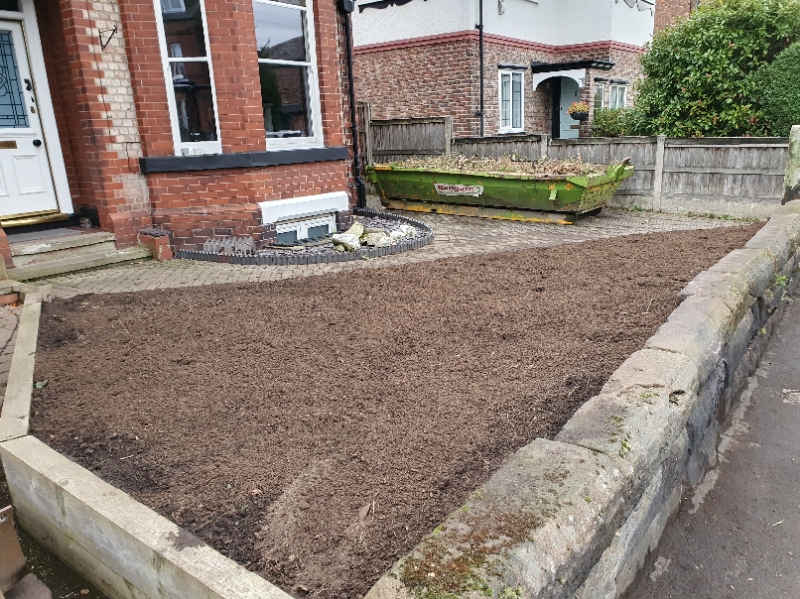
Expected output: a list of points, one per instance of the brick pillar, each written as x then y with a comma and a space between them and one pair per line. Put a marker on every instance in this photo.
5, 249
104, 142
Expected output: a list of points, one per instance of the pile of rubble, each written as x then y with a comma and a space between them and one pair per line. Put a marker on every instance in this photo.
358, 235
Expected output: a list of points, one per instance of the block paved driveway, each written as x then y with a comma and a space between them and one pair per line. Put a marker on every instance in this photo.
454, 236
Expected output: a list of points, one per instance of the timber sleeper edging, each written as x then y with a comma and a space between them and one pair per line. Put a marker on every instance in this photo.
572, 517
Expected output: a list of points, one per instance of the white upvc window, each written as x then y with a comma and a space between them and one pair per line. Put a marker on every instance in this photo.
599, 93
619, 96
512, 101
183, 36
287, 66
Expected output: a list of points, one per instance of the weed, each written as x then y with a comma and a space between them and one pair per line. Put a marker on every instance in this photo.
782, 280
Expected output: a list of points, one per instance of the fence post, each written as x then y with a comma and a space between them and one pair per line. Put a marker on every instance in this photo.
658, 172
367, 129
543, 143
448, 133
791, 180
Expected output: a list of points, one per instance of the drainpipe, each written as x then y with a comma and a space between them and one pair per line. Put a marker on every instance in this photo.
347, 7
479, 27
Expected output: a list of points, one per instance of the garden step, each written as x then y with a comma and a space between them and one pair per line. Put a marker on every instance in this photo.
56, 243
103, 247
73, 263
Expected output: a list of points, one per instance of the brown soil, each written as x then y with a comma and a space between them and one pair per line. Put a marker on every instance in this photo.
316, 429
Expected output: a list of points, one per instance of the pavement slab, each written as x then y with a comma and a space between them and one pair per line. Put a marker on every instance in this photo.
454, 236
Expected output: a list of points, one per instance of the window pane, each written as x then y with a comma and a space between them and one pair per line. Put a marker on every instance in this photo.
505, 101
318, 231
287, 237
10, 5
280, 32
599, 88
516, 121
284, 97
292, 2
613, 100
13, 112
195, 107
183, 27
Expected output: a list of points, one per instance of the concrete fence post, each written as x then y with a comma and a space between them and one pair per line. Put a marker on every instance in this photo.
791, 181
448, 134
658, 172
543, 143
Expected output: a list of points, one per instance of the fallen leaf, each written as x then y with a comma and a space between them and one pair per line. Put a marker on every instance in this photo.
41, 384
777, 523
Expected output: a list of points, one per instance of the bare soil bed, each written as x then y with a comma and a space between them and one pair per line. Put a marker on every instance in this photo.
316, 429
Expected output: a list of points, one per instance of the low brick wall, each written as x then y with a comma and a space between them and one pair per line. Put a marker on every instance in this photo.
576, 516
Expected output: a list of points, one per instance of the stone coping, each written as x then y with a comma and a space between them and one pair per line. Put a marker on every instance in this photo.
397, 248
572, 517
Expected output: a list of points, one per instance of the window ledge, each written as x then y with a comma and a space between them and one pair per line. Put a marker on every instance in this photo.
179, 164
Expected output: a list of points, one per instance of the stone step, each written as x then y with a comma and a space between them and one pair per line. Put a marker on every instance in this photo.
74, 263
54, 244
103, 247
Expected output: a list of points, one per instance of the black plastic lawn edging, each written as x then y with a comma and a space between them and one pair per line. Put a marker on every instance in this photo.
398, 248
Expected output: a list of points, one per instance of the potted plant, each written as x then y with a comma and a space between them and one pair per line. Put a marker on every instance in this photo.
579, 111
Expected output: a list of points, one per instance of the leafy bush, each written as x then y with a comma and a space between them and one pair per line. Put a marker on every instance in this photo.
698, 74
611, 122
779, 91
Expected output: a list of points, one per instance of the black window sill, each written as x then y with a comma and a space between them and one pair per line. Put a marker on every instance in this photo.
179, 164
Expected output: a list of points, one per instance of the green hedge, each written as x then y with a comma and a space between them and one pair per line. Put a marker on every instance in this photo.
611, 122
779, 91
698, 75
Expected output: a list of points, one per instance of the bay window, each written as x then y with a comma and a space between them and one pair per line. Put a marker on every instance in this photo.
511, 101
287, 66
619, 96
183, 36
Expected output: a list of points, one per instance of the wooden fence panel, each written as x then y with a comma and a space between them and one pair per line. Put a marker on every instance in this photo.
602, 150
527, 147
746, 169
398, 139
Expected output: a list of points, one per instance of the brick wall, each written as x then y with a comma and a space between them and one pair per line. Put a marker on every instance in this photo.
93, 99
669, 11
439, 77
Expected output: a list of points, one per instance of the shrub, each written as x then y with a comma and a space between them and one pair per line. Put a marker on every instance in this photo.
779, 91
697, 75
611, 122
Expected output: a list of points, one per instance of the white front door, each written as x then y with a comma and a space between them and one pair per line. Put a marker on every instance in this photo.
569, 93
26, 182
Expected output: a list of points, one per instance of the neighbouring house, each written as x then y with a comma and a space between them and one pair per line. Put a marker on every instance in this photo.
206, 118
422, 58
669, 11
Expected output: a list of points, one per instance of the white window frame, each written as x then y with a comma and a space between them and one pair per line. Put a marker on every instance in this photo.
316, 139
601, 87
190, 148
511, 73
618, 87
303, 225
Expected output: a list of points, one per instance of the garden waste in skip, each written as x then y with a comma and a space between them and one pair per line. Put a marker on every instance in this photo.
556, 191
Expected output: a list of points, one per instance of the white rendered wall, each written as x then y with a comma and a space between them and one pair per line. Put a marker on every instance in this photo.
418, 18
551, 22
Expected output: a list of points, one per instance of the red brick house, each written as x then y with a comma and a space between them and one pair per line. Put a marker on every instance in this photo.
203, 117
501, 66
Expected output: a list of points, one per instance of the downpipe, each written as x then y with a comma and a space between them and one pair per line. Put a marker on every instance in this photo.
347, 7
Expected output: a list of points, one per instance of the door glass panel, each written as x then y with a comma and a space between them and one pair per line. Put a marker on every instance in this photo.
183, 27
12, 101
10, 5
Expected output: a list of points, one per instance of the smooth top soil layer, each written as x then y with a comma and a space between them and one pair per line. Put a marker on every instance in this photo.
316, 429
